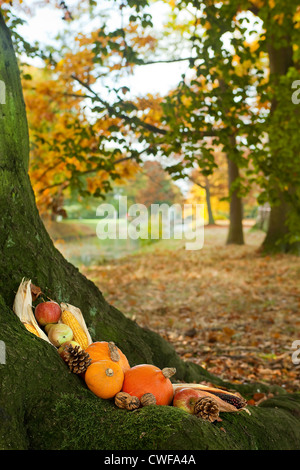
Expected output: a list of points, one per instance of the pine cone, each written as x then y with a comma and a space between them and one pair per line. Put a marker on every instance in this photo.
207, 409
77, 359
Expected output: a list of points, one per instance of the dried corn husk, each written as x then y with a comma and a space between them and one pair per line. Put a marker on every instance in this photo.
23, 307
212, 392
78, 315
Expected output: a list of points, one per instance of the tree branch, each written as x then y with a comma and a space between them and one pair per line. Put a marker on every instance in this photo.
166, 61
121, 160
193, 180
111, 110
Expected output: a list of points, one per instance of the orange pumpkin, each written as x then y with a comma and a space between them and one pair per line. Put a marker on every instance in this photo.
104, 378
146, 378
100, 350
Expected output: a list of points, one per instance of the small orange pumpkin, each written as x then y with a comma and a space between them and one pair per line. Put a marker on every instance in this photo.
146, 378
104, 378
100, 350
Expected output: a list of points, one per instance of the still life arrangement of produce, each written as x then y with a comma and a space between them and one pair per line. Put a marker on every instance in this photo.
105, 369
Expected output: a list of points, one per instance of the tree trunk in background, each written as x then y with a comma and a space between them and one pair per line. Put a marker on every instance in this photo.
277, 228
43, 406
275, 240
235, 232
211, 220
280, 61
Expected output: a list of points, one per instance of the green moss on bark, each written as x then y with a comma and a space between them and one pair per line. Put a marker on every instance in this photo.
89, 424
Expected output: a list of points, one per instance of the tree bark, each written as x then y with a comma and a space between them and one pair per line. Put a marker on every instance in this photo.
235, 232
276, 240
211, 220
206, 187
43, 406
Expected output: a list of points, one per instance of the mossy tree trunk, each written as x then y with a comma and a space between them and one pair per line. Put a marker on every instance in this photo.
27, 249
43, 405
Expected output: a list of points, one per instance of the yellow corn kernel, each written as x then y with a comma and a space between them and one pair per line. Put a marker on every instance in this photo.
78, 334
32, 329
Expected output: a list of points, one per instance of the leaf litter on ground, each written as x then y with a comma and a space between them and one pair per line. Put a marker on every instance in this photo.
226, 307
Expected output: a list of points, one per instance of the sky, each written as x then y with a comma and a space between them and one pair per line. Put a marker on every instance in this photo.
156, 78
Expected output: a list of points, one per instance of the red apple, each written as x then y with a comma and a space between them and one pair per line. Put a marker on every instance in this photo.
59, 334
47, 312
185, 398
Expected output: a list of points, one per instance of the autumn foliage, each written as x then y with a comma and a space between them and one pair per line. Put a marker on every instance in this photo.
89, 130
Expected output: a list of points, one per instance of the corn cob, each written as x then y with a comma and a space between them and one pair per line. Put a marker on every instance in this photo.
32, 329
78, 333
231, 398
234, 400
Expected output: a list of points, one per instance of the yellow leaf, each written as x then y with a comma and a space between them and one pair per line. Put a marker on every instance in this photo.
258, 3
279, 18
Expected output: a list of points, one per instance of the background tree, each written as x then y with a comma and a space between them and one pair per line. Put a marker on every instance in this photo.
214, 186
279, 161
159, 188
232, 47
244, 58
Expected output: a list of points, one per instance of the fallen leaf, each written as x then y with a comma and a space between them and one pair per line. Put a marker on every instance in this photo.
35, 292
